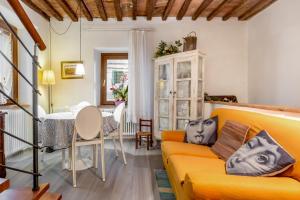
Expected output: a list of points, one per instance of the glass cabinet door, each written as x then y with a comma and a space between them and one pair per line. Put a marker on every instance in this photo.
182, 92
164, 88
200, 92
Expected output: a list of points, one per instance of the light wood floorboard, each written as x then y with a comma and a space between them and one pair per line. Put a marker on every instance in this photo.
135, 181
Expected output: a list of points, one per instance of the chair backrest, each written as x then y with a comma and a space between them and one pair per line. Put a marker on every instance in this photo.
118, 112
88, 122
147, 123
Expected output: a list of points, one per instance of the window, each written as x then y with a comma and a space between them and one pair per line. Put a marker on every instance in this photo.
8, 76
114, 67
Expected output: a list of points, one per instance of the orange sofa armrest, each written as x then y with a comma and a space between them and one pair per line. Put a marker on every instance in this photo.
176, 136
206, 185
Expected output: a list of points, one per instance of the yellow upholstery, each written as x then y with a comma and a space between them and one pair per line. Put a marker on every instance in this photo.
213, 186
170, 148
195, 172
176, 136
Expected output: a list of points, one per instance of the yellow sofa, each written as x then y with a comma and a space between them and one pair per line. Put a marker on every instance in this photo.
195, 172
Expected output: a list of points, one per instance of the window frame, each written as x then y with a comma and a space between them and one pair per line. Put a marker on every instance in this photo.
14, 42
103, 73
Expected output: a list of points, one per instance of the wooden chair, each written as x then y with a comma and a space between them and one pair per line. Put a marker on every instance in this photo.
144, 134
89, 128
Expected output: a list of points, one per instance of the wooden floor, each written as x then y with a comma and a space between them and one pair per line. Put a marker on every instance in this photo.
135, 181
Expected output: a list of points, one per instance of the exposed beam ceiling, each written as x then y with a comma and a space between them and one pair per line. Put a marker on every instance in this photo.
201, 8
52, 10
85, 10
134, 9
233, 10
118, 10
168, 9
183, 9
68, 10
259, 6
150, 8
31, 5
217, 10
101, 9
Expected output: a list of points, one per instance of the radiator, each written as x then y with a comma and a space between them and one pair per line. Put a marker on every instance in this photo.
19, 124
129, 128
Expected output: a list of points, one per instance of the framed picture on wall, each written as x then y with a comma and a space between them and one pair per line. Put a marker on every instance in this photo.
68, 69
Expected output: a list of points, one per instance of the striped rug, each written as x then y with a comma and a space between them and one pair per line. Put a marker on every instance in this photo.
164, 186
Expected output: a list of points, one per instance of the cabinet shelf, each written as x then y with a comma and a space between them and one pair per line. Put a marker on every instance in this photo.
187, 103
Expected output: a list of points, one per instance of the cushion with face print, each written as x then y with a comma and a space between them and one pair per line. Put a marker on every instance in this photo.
202, 132
260, 156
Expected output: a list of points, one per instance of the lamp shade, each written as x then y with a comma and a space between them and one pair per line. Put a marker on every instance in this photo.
80, 69
48, 77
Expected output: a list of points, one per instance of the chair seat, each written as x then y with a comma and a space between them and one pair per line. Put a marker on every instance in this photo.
143, 133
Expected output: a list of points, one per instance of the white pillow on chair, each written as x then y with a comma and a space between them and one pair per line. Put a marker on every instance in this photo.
41, 111
76, 108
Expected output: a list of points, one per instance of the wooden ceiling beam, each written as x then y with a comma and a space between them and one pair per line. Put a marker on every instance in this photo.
101, 9
183, 9
52, 10
68, 10
85, 10
168, 9
134, 9
31, 5
233, 10
217, 10
118, 10
201, 8
150, 8
256, 8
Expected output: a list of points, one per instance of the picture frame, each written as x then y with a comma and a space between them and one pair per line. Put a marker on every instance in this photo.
68, 69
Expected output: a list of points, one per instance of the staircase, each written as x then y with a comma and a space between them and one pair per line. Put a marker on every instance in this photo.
37, 191
26, 193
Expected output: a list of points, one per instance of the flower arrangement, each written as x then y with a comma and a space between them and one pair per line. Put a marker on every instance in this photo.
167, 49
120, 90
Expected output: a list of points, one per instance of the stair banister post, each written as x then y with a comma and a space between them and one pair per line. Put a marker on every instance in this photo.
35, 186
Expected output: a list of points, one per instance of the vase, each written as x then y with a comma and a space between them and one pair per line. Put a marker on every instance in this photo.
118, 102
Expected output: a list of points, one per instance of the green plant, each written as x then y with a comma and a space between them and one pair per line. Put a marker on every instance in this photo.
167, 49
120, 90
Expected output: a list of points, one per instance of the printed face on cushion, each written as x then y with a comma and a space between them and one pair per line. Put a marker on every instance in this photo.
201, 131
256, 155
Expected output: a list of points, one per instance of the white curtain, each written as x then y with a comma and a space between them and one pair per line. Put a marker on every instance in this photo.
140, 74
5, 68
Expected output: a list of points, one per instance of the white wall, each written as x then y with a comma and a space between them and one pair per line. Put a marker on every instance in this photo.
25, 62
225, 44
274, 46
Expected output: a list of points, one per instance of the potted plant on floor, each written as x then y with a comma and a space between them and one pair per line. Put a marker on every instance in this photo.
120, 90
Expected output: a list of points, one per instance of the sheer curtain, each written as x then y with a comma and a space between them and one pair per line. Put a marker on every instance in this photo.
5, 68
140, 86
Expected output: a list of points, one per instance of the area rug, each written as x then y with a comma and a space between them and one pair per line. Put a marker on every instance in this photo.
164, 186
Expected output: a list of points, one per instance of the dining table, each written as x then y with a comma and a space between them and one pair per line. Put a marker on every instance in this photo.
56, 131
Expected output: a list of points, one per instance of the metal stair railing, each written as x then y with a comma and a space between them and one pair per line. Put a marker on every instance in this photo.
34, 84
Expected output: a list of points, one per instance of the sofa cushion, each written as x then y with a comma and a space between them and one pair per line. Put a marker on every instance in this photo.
170, 148
217, 186
232, 138
202, 132
285, 130
260, 156
180, 165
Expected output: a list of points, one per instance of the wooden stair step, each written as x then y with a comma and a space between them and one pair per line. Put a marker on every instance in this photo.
51, 196
24, 193
4, 184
